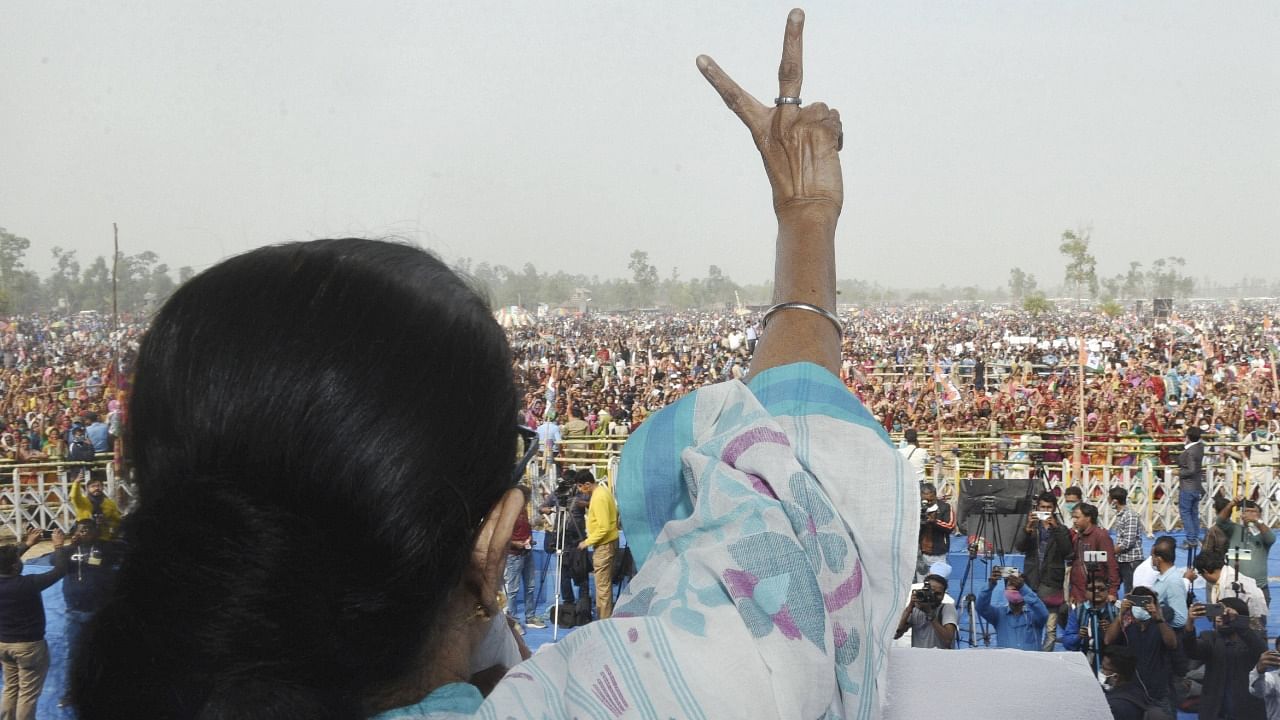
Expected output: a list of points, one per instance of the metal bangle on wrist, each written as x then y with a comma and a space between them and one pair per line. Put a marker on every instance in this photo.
810, 307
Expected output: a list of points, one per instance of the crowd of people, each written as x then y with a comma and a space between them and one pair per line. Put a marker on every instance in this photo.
1132, 612
1154, 391
60, 376
999, 386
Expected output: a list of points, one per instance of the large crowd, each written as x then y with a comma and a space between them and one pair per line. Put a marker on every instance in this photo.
59, 374
958, 371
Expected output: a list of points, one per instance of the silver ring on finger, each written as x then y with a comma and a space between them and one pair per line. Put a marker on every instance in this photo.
785, 100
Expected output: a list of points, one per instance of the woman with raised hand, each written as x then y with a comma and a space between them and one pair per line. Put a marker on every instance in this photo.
316, 539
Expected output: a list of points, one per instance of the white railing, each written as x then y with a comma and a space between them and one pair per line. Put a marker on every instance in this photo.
1152, 488
40, 494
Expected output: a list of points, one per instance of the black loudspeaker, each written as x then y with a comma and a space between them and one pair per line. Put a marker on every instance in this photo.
1162, 308
1008, 500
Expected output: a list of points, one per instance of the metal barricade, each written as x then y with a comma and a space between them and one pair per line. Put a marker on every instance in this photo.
39, 494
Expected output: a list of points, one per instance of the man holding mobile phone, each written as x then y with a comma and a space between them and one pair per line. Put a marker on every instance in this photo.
1020, 621
1264, 681
1229, 652
1250, 537
1154, 643
1047, 546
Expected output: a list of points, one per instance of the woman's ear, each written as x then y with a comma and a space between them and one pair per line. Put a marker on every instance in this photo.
489, 556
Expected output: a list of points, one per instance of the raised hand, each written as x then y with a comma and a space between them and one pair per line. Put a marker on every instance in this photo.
800, 145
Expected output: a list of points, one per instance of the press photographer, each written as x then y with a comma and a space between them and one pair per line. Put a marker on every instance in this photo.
932, 621
936, 526
565, 510
1088, 622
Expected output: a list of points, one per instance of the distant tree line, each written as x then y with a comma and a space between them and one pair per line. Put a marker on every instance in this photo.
143, 281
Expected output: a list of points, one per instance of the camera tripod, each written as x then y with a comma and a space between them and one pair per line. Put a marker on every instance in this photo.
986, 521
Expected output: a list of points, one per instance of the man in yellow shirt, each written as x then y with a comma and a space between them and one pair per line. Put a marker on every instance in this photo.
602, 534
90, 501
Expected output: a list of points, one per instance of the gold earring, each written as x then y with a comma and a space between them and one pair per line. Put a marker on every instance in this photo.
479, 613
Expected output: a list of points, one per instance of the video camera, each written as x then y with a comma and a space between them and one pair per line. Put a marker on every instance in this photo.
566, 490
927, 596
925, 509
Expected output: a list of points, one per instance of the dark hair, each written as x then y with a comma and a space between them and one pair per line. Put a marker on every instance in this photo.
911, 436
1250, 505
1123, 659
1075, 491
1193, 433
927, 487
1047, 497
1118, 494
1208, 561
300, 574
1235, 603
9, 558
1165, 548
937, 578
1220, 502
1088, 511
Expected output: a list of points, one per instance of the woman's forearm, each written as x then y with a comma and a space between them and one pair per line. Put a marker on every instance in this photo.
804, 271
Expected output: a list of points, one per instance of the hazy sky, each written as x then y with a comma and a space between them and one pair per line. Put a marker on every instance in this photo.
568, 135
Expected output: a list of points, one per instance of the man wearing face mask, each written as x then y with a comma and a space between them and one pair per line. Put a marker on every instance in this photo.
1229, 651
1018, 624
1142, 627
1119, 679
1071, 497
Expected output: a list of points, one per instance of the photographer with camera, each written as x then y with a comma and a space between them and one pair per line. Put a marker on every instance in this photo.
1093, 554
1229, 651
932, 621
567, 511
1143, 628
1088, 622
1020, 623
936, 526
1047, 546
